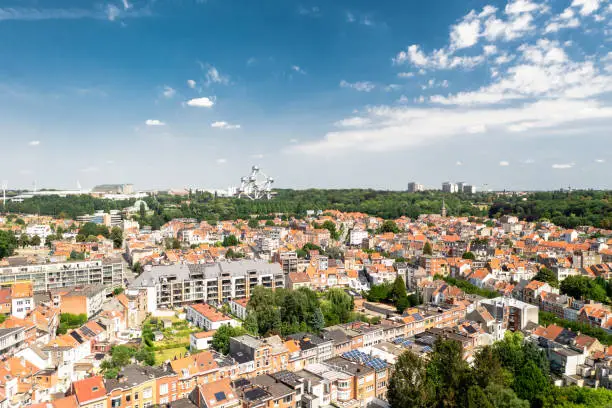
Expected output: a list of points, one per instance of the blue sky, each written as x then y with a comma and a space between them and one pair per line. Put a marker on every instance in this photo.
173, 93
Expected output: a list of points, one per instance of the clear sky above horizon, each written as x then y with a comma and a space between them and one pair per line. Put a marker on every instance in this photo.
345, 93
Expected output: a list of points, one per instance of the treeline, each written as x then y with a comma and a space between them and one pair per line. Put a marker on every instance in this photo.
562, 208
509, 374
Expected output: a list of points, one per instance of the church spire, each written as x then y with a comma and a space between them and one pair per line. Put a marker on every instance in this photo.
443, 213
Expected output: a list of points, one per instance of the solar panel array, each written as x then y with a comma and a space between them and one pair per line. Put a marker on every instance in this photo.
365, 359
220, 396
400, 341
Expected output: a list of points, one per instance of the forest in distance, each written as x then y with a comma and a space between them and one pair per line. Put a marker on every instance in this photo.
567, 209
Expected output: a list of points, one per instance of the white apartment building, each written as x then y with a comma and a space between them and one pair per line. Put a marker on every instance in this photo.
42, 231
448, 187
357, 236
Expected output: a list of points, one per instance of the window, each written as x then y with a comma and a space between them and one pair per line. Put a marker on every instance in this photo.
148, 393
99, 405
288, 399
163, 389
163, 400
173, 386
116, 402
135, 395
128, 398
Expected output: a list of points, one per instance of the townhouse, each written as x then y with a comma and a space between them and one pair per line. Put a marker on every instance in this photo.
207, 317
259, 356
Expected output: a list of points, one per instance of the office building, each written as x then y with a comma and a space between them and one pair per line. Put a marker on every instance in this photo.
415, 187
112, 219
209, 283
469, 189
45, 277
448, 187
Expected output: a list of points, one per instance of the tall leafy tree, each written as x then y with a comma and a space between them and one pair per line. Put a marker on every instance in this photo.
409, 385
116, 236
427, 249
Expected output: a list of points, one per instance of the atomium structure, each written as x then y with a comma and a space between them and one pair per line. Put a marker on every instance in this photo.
256, 186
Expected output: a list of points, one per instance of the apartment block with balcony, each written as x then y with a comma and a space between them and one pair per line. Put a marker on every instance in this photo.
215, 283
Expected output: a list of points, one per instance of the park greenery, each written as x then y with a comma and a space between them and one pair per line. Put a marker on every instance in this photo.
562, 208
584, 287
548, 276
511, 373
121, 356
287, 312
468, 287
394, 294
221, 338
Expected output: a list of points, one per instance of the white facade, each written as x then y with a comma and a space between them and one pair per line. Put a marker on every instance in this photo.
357, 236
448, 187
20, 307
42, 231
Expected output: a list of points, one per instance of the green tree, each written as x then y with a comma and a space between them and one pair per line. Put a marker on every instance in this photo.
388, 226
221, 338
253, 223
230, 240
121, 355
269, 223
76, 256
547, 275
118, 291
116, 236
476, 398
427, 249
35, 241
503, 397
70, 321
468, 255
409, 385
24, 240
8, 243
530, 383
317, 320
143, 211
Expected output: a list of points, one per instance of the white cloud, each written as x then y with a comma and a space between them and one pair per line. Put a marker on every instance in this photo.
293, 140
90, 169
191, 83
297, 69
562, 166
221, 161
126, 5
459, 163
392, 87
34, 143
405, 74
169, 92
466, 33
587, 7
362, 86
600, 160
203, 102
213, 76
403, 99
504, 163
521, 6
154, 122
311, 11
224, 125
353, 122
110, 13
350, 17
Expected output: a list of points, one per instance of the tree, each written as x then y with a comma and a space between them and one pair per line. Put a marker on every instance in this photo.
35, 241
116, 236
476, 398
118, 291
80, 238
76, 256
388, 226
317, 320
142, 211
547, 275
92, 238
469, 255
530, 383
331, 227
338, 306
8, 243
24, 240
253, 223
503, 397
121, 355
581, 287
409, 385
427, 249
269, 223
230, 240
221, 338
137, 268
250, 324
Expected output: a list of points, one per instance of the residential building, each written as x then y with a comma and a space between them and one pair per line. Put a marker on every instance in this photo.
217, 394
207, 317
289, 261
239, 307
268, 355
414, 187
11, 339
318, 349
296, 280
514, 313
201, 340
142, 386
448, 187
209, 283
357, 236
76, 300
22, 299
44, 277
90, 393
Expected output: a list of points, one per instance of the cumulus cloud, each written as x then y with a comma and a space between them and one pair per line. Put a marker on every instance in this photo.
221, 161
458, 163
224, 125
34, 143
203, 102
191, 83
504, 163
353, 122
361, 86
154, 122
562, 166
600, 160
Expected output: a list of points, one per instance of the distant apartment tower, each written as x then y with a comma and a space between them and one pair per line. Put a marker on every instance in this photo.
448, 187
414, 187
112, 219
45, 277
289, 261
469, 189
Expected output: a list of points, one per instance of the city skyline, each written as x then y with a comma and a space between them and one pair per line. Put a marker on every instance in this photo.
167, 94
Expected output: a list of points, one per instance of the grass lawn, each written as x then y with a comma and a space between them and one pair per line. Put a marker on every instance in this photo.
163, 355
